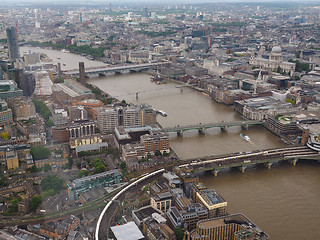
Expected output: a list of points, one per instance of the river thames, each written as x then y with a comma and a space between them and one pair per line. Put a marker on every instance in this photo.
283, 201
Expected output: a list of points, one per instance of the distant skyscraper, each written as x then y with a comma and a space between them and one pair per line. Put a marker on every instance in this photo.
145, 12
80, 17
153, 15
13, 43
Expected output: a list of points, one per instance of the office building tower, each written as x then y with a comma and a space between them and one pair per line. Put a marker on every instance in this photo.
145, 12
82, 73
13, 43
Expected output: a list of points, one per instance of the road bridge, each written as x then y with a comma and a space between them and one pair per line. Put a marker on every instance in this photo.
202, 127
103, 70
242, 160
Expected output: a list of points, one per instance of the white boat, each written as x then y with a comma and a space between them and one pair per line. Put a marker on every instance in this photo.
163, 113
245, 137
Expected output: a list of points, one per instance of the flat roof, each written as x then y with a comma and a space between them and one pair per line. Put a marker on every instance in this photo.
128, 231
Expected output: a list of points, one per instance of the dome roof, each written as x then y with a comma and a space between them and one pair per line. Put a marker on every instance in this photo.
276, 49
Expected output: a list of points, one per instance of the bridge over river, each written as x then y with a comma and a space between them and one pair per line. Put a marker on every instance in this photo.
202, 127
102, 70
243, 159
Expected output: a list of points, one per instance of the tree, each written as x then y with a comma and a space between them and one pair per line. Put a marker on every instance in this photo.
42, 109
157, 153
3, 182
35, 202
5, 136
40, 152
179, 233
34, 169
59, 80
98, 166
123, 165
52, 183
47, 167
279, 69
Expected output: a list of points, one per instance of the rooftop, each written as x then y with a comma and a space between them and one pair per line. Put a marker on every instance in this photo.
128, 231
211, 197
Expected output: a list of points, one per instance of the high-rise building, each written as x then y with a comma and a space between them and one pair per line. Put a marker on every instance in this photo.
145, 12
13, 43
82, 73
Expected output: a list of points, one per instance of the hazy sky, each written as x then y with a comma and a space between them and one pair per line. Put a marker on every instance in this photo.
160, 1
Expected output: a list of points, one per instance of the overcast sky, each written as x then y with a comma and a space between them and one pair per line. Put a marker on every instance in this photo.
147, 1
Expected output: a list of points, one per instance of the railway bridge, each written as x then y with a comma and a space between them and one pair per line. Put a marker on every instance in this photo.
243, 159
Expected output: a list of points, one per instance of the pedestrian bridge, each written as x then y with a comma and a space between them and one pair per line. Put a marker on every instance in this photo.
102, 70
202, 127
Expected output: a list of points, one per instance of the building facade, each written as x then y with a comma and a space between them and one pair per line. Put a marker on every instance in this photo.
130, 116
96, 181
13, 43
156, 141
232, 227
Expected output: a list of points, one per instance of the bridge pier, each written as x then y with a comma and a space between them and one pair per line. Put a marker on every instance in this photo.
268, 165
215, 172
137, 96
245, 127
242, 168
294, 162
224, 128
201, 131
179, 133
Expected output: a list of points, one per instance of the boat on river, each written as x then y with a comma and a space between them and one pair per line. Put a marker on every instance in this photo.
245, 137
162, 113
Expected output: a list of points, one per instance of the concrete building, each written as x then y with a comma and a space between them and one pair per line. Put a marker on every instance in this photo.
274, 62
65, 93
156, 141
233, 227
162, 201
22, 108
85, 140
5, 114
133, 150
101, 180
12, 160
77, 113
9, 89
92, 106
131, 116
43, 84
13, 43
81, 128
261, 108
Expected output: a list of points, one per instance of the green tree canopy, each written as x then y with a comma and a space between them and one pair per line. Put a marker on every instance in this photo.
52, 183
42, 109
179, 233
35, 202
47, 167
40, 152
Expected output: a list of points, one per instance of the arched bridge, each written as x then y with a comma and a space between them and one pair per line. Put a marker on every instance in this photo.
243, 159
102, 70
202, 127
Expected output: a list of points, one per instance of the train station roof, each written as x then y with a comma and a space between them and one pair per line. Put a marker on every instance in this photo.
128, 231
